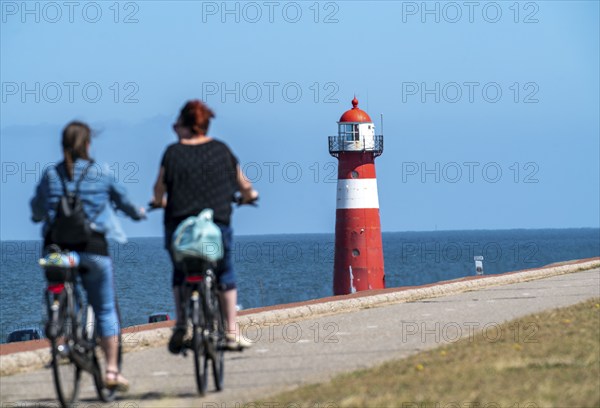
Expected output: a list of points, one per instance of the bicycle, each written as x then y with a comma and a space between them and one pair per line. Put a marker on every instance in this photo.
71, 330
201, 308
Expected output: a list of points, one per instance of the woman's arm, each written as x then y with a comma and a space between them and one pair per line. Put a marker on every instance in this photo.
248, 193
118, 195
159, 199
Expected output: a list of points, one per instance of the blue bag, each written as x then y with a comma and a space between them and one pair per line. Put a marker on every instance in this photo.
198, 237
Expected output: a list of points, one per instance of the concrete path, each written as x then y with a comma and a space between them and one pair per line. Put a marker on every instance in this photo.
315, 349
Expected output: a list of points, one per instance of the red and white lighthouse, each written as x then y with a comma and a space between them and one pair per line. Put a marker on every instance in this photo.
358, 260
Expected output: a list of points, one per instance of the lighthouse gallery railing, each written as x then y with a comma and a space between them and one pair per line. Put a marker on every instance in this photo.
339, 144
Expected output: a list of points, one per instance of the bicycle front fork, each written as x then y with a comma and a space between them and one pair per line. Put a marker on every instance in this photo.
53, 323
195, 307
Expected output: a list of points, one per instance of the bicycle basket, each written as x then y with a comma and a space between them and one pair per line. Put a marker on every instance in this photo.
198, 237
59, 275
60, 266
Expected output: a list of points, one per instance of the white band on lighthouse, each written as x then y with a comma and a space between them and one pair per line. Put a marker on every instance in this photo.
357, 193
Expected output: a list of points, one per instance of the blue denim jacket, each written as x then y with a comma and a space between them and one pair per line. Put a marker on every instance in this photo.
98, 191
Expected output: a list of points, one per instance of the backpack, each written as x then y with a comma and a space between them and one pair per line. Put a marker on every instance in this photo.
70, 226
198, 237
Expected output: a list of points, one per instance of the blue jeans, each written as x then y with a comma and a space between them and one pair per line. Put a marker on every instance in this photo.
98, 281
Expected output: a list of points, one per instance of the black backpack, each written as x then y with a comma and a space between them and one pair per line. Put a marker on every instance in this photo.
71, 226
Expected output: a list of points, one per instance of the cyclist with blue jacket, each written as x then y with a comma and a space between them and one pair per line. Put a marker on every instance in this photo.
98, 192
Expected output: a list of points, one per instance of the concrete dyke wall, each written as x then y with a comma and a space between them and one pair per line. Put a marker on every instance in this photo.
367, 299
17, 358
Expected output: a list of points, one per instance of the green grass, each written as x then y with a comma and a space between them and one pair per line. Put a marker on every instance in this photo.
550, 359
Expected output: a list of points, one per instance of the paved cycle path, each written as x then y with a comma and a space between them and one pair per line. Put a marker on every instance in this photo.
315, 349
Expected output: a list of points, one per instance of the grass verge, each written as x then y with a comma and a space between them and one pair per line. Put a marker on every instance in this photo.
550, 359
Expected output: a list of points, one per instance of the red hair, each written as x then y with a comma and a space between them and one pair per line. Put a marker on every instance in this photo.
196, 116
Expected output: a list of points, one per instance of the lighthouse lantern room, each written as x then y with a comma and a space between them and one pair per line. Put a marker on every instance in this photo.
358, 258
356, 133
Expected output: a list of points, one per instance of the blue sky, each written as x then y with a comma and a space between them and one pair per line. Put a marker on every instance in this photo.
491, 111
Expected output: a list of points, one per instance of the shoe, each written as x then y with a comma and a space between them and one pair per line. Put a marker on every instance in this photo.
176, 342
236, 343
115, 381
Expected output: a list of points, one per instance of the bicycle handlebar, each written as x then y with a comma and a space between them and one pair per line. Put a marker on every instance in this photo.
238, 199
151, 206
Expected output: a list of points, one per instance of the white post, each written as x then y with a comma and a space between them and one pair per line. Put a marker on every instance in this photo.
479, 265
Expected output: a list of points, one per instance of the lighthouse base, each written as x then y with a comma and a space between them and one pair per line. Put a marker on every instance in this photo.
358, 260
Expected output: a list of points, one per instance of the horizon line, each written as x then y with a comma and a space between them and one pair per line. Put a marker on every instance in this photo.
383, 232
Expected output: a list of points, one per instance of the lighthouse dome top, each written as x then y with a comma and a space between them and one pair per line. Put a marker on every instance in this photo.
355, 114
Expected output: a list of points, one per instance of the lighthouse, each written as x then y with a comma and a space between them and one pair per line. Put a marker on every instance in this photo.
358, 259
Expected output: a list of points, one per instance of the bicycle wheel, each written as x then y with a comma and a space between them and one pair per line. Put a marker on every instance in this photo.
218, 337
66, 374
198, 346
104, 394
98, 364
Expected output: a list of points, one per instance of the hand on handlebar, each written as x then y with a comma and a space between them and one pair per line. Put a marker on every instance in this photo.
153, 205
249, 199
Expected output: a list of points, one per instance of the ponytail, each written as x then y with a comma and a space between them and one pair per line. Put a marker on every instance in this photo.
75, 139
